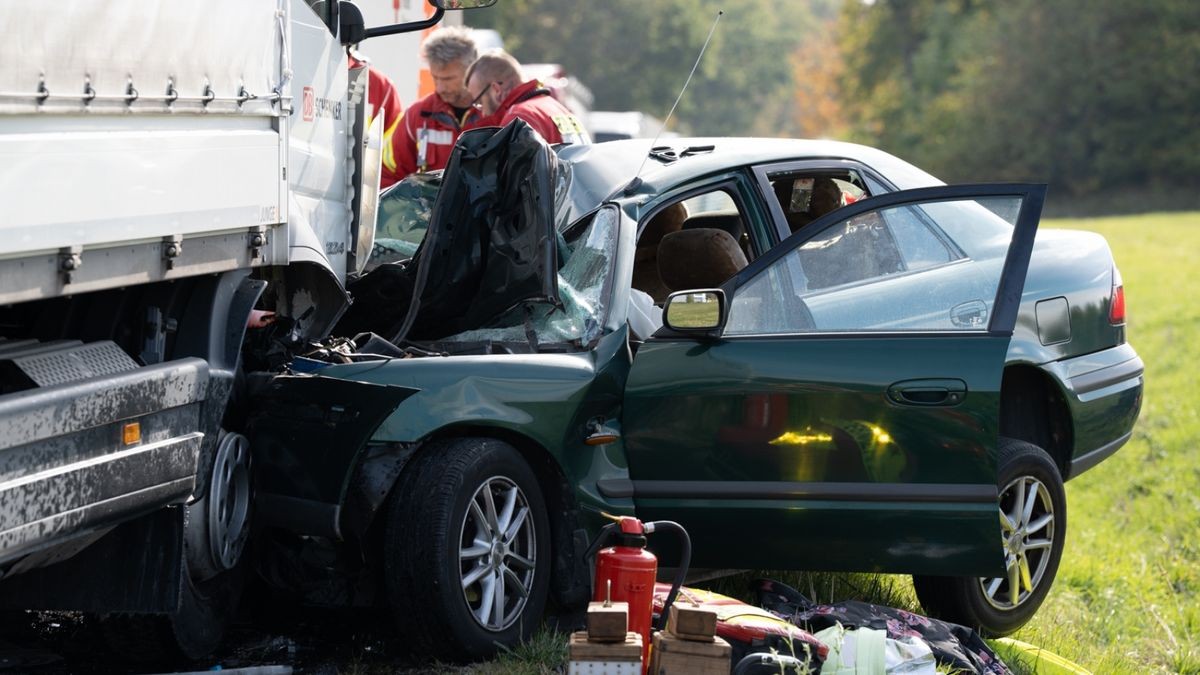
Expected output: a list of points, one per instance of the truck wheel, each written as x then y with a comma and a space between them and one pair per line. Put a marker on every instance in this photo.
1033, 528
191, 633
467, 549
215, 534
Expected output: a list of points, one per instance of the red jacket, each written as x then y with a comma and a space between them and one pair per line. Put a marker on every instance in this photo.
533, 103
382, 96
428, 133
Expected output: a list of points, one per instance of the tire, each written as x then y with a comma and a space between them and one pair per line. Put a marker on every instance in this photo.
215, 534
1032, 545
194, 631
437, 536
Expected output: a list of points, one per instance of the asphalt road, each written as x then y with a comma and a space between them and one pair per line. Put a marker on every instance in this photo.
310, 641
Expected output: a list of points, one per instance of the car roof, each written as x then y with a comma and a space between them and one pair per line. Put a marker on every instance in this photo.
599, 171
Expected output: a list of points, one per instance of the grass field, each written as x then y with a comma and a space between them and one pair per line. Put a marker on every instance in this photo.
1127, 596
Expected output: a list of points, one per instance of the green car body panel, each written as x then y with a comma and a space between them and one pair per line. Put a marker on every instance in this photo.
541, 399
800, 420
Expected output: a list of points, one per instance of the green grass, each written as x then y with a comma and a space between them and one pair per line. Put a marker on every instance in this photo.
1127, 596
694, 314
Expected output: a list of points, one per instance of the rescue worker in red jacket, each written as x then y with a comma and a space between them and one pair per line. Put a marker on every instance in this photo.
383, 99
432, 125
494, 81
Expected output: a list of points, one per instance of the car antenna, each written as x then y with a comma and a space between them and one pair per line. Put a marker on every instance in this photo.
637, 178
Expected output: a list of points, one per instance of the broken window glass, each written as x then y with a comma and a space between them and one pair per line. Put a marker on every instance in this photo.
403, 217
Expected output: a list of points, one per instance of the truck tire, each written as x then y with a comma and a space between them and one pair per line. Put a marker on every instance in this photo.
1032, 538
217, 528
191, 633
467, 550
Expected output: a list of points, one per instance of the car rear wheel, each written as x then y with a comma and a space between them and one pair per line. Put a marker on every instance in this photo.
467, 550
1033, 528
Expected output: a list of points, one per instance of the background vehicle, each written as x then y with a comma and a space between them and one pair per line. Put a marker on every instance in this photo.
605, 125
839, 411
159, 184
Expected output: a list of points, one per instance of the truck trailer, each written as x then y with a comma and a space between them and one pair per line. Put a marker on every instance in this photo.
170, 172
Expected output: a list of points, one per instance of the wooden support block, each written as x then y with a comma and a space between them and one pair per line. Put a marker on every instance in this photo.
692, 622
673, 656
607, 624
581, 649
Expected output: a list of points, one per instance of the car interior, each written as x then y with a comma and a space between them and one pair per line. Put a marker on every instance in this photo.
806, 196
698, 242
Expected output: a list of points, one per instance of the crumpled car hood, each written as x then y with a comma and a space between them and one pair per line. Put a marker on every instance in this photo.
491, 243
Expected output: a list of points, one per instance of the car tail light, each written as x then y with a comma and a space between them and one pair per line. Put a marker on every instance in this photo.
1116, 308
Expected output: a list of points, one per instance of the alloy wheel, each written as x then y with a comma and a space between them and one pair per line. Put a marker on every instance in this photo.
497, 553
1027, 523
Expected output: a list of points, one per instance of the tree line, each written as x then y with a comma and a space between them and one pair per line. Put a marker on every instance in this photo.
1099, 98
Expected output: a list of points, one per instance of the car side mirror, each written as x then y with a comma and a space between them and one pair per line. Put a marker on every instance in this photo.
700, 311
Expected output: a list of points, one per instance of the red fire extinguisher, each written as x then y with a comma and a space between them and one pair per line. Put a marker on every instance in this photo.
628, 571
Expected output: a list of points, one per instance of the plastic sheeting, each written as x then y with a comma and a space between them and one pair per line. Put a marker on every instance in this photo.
583, 282
491, 244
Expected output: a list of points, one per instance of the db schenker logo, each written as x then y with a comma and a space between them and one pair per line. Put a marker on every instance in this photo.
309, 106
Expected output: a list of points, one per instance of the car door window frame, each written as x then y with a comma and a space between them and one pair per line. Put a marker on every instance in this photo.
1012, 275
732, 184
876, 185
766, 194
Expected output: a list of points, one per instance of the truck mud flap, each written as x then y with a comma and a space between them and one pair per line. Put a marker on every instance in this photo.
307, 433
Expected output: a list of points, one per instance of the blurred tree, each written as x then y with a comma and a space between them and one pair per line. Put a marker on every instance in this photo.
817, 70
635, 55
1094, 96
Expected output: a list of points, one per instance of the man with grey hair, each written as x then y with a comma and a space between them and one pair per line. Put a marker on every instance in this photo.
432, 124
494, 82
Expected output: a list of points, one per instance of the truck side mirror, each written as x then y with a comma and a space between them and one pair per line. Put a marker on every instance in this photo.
462, 4
352, 28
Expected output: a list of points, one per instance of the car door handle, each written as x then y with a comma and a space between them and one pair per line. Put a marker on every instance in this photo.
973, 314
930, 392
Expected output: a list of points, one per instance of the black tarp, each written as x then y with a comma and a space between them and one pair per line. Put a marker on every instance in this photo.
491, 244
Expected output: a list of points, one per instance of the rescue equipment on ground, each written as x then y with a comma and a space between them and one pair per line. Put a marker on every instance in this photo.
749, 629
627, 572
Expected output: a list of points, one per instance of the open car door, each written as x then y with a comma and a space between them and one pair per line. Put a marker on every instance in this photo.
845, 414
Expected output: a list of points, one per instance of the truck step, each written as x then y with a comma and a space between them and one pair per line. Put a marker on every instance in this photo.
25, 364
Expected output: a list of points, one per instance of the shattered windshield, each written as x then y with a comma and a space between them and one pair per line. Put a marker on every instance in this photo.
403, 217
583, 282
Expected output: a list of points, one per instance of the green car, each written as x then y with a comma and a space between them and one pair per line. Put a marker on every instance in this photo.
811, 354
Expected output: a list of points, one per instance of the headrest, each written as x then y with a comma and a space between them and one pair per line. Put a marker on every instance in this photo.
664, 222
730, 221
698, 258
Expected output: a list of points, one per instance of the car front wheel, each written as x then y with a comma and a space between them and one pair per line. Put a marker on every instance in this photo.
467, 549
1033, 528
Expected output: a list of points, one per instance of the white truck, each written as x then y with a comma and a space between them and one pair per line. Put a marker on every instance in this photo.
166, 167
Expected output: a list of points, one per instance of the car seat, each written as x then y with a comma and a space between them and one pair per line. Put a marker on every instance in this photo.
730, 221
698, 258
645, 257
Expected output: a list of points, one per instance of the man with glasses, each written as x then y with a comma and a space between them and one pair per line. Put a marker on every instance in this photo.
432, 124
494, 83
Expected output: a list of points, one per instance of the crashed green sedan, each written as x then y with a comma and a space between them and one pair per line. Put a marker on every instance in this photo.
811, 354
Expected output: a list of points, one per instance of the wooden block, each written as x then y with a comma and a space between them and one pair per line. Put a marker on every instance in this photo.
607, 624
673, 656
692, 622
581, 649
